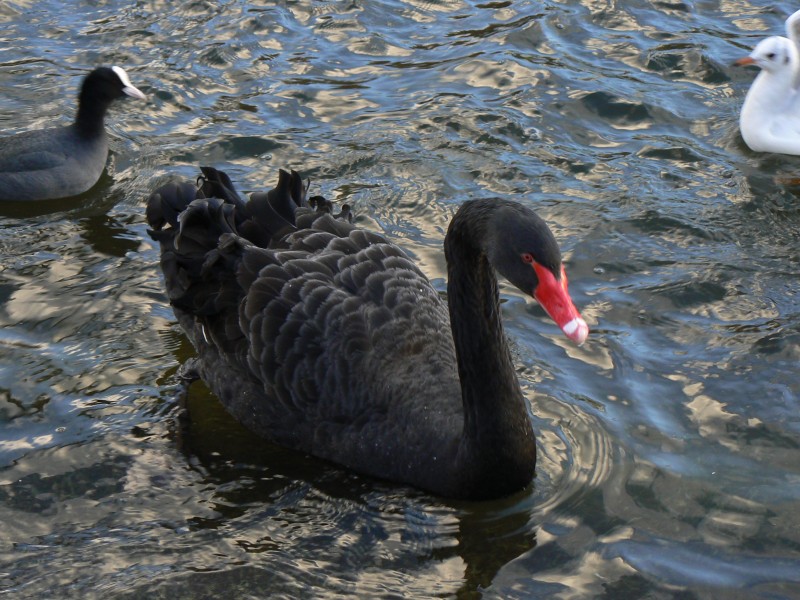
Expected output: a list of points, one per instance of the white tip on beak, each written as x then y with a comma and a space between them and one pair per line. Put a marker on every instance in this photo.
577, 330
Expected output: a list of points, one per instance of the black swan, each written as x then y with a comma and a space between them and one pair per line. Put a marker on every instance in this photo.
326, 338
58, 162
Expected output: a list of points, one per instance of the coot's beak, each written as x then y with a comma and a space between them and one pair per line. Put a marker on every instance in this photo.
134, 92
552, 294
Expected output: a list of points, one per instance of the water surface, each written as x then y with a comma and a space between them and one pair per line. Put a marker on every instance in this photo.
669, 443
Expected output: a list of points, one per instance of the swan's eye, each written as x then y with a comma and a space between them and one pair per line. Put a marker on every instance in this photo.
527, 257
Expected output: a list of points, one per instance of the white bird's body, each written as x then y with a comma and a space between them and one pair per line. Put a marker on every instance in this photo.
770, 117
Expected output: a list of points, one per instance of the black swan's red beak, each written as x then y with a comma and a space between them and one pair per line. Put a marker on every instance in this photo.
552, 294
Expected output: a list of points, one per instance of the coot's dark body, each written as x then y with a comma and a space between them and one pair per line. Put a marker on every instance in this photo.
59, 162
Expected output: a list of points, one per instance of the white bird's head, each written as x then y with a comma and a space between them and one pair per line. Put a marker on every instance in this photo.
773, 54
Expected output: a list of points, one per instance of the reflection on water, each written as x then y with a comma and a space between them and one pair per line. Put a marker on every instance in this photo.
668, 443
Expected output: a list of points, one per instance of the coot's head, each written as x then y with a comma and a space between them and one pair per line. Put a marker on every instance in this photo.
105, 84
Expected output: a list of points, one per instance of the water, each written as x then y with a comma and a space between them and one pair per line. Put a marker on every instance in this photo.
669, 444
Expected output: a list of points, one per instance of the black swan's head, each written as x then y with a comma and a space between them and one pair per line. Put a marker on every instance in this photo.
523, 250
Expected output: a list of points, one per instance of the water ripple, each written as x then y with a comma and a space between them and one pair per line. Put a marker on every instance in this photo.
668, 443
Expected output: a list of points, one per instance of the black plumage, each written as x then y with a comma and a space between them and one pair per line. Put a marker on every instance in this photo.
58, 162
326, 338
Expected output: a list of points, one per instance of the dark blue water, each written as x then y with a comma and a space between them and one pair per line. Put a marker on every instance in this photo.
669, 443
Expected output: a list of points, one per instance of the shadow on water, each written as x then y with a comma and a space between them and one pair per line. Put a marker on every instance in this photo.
107, 236
360, 522
99, 198
490, 536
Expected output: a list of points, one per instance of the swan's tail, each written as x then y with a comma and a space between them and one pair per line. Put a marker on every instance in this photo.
216, 184
203, 230
271, 215
166, 203
262, 221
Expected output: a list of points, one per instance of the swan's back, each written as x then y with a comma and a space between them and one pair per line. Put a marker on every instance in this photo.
315, 334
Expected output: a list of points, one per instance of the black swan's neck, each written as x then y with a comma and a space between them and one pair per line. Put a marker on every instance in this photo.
497, 436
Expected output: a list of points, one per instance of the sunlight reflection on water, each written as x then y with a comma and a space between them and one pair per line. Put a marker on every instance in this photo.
668, 443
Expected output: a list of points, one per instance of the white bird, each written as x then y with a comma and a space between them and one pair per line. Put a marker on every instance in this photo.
770, 117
